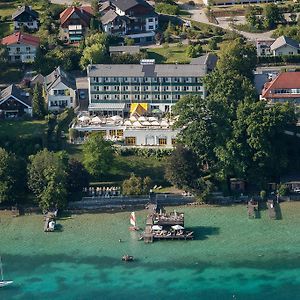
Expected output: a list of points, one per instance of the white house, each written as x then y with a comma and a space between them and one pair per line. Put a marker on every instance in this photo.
21, 47
61, 90
285, 46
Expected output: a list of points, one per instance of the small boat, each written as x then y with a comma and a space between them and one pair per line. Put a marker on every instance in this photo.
133, 222
3, 282
127, 258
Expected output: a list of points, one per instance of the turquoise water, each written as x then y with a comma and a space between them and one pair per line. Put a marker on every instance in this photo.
232, 258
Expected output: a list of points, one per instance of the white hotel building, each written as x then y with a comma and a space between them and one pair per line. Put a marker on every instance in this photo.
117, 89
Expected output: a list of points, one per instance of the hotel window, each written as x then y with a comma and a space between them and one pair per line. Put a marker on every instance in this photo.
162, 141
28, 49
112, 132
150, 19
173, 141
130, 141
119, 132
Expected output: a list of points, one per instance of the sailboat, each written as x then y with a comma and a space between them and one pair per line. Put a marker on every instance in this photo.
133, 222
2, 281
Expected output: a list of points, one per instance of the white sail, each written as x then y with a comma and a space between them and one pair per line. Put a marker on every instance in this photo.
2, 281
132, 219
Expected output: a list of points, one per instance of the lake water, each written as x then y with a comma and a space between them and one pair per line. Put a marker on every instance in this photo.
233, 257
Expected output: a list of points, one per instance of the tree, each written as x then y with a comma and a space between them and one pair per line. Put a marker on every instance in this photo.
182, 168
11, 184
251, 17
273, 15
191, 51
212, 44
132, 186
98, 155
47, 178
94, 54
239, 56
38, 102
97, 38
3, 55
77, 179
129, 41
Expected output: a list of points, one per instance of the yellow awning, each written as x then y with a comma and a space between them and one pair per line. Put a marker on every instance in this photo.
138, 108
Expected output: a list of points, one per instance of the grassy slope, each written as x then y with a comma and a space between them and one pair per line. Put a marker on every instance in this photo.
18, 128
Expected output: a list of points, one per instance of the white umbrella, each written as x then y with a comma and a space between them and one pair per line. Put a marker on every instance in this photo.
127, 123
96, 120
133, 118
177, 227
146, 123
171, 123
155, 123
156, 227
84, 118
137, 124
142, 118
164, 123
116, 118
151, 119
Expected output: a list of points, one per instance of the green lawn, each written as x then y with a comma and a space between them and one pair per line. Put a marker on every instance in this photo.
6, 28
19, 128
171, 54
11, 75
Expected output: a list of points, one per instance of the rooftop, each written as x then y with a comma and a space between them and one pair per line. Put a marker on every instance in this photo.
282, 41
151, 70
16, 92
125, 49
286, 80
26, 9
83, 12
127, 4
21, 38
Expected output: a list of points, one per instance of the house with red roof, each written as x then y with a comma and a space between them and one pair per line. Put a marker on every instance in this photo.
21, 47
285, 87
74, 22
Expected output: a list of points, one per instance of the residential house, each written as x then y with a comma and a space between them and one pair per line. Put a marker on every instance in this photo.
21, 47
285, 46
74, 22
135, 19
263, 47
25, 16
285, 87
14, 102
60, 88
123, 89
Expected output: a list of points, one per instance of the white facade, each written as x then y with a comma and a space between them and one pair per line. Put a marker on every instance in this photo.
148, 137
285, 50
33, 25
151, 23
263, 47
60, 96
22, 52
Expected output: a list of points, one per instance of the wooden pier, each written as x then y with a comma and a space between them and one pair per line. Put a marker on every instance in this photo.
252, 209
165, 221
271, 209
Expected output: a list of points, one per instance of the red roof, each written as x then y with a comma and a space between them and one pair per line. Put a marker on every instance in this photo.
84, 12
286, 80
21, 38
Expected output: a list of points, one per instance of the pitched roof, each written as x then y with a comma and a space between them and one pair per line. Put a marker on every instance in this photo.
16, 92
26, 9
84, 12
57, 76
138, 70
282, 41
104, 6
209, 59
108, 17
286, 80
21, 38
127, 4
